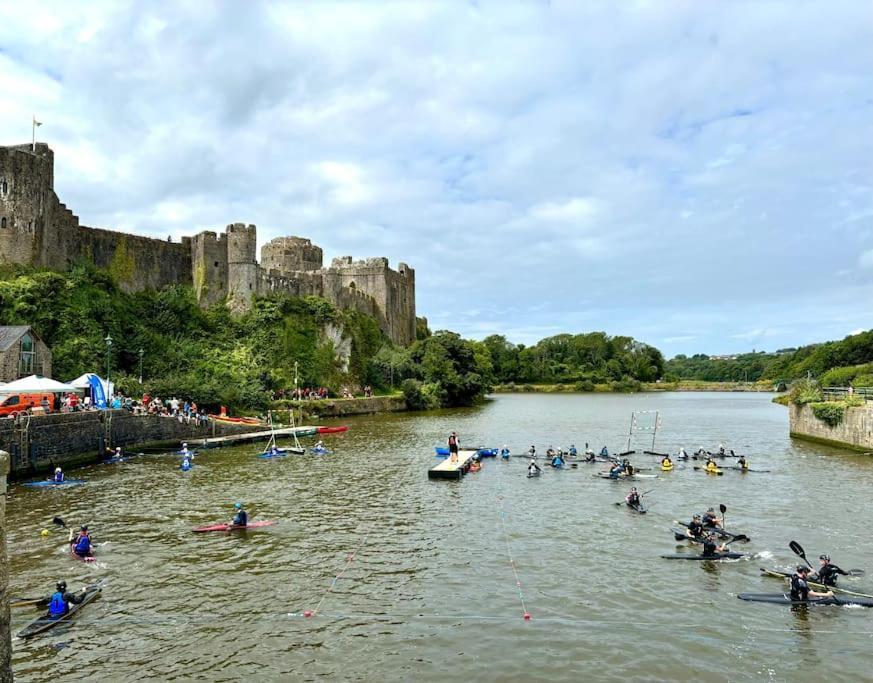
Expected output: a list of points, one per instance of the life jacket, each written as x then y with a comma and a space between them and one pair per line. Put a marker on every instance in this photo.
83, 545
604, 452
59, 476
58, 606
711, 467
557, 462
573, 452
453, 441
504, 453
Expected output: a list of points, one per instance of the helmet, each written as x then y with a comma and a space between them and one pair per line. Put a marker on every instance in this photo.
61, 585
184, 444
802, 569
633, 489
711, 510
58, 469
826, 558
696, 517
238, 506
84, 527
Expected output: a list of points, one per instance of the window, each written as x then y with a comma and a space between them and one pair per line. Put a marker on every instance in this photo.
11, 401
4, 188
352, 286
3, 222
216, 264
27, 355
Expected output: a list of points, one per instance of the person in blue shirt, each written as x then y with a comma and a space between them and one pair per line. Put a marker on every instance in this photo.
504, 452
604, 452
572, 452
558, 461
186, 463
241, 518
616, 470
82, 543
59, 601
59, 475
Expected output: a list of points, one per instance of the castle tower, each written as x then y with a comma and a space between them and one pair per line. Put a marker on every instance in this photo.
242, 268
209, 267
291, 255
26, 201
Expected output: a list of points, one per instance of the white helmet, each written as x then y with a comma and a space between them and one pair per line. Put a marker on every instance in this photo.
58, 469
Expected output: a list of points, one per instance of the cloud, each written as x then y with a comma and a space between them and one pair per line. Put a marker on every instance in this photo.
667, 170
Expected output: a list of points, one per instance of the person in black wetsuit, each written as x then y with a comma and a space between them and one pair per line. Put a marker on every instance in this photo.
711, 548
827, 572
241, 518
633, 498
710, 519
695, 528
800, 590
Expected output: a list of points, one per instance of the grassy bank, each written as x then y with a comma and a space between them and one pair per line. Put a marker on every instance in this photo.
627, 387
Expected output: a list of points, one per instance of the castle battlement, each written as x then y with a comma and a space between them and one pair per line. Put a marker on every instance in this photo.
37, 229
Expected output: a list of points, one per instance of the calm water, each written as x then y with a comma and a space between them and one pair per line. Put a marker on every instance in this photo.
428, 586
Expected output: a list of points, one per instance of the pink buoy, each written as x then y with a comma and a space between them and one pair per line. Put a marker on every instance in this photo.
307, 613
527, 616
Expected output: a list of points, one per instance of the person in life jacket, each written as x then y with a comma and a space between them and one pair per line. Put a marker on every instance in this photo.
533, 469
616, 470
827, 572
711, 466
710, 519
721, 449
59, 475
241, 518
185, 450
666, 463
742, 463
558, 461
800, 590
682, 454
627, 467
604, 452
186, 463
711, 546
532, 451
82, 543
633, 498
572, 452
453, 446
504, 452
550, 452
59, 602
695, 527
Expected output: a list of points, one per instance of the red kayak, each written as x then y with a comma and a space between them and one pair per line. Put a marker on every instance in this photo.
81, 558
232, 527
332, 430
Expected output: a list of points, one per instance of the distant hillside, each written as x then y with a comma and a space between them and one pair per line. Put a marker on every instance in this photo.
834, 363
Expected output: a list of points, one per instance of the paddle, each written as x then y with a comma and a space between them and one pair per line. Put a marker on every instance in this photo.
28, 602
798, 550
723, 509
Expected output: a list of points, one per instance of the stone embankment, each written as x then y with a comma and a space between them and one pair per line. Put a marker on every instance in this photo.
855, 430
42, 442
343, 407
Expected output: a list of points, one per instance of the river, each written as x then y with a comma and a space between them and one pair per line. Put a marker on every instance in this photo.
428, 571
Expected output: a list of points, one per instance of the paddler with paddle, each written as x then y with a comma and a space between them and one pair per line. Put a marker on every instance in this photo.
711, 546
59, 475
81, 544
59, 601
633, 498
710, 519
800, 590
742, 463
827, 572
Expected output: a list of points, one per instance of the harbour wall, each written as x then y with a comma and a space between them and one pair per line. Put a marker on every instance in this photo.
65, 439
343, 407
855, 431
5, 630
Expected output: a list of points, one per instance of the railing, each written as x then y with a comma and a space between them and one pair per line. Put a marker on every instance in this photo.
842, 393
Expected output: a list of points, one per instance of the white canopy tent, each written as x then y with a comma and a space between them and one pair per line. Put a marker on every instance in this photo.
83, 383
36, 384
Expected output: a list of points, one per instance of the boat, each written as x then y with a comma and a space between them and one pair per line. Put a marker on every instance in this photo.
441, 451
785, 599
775, 573
712, 558
666, 468
639, 508
635, 475
233, 527
52, 482
47, 622
81, 558
189, 467
531, 475
306, 431
273, 453
114, 460
332, 430
743, 469
718, 531
236, 420
487, 452
320, 451
703, 469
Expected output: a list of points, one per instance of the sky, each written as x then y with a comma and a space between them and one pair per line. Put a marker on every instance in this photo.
698, 175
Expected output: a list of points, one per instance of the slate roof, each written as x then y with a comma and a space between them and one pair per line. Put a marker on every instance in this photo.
11, 334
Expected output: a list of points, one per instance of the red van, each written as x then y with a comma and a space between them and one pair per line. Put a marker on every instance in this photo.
13, 404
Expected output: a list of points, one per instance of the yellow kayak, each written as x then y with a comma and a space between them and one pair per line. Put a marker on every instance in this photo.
666, 468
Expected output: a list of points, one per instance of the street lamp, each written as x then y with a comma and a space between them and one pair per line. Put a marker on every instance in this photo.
140, 366
108, 341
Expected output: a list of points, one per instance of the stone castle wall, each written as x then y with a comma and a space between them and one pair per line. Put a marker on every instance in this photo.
37, 229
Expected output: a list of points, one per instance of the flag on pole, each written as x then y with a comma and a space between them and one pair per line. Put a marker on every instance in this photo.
36, 123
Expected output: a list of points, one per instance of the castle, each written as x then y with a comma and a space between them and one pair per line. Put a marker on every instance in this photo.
36, 229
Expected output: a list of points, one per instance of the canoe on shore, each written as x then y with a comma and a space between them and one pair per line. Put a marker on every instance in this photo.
332, 430
236, 420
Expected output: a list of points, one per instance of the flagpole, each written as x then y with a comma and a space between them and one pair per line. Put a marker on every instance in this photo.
33, 134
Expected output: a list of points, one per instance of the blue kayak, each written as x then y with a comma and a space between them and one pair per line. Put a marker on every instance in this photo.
487, 452
320, 451
185, 469
51, 482
278, 453
113, 461
441, 451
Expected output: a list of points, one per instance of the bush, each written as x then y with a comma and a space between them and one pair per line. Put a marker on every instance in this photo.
584, 385
829, 412
420, 396
804, 391
854, 401
626, 385
865, 380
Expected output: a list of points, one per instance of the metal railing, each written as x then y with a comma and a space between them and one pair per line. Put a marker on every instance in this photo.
842, 393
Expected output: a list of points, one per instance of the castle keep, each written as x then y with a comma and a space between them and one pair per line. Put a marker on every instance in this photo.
36, 229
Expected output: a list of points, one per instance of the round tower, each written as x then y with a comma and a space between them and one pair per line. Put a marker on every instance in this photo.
242, 268
291, 255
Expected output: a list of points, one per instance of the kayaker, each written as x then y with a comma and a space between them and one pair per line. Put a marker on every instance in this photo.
82, 543
721, 449
59, 601
532, 468
550, 452
241, 518
589, 450
604, 452
742, 463
695, 527
453, 446
184, 451
682, 454
504, 452
319, 446
710, 519
711, 467
558, 461
711, 546
633, 498
532, 451
572, 452
800, 590
616, 470
827, 572
627, 467
589, 456
666, 463
59, 475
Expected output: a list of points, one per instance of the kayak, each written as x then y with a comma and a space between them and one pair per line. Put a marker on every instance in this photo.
487, 452
186, 469
233, 527
46, 622
744, 469
81, 558
530, 475
113, 460
236, 420
273, 452
680, 535
320, 451
704, 558
784, 599
639, 509
603, 475
721, 533
332, 430
775, 573
703, 469
441, 451
308, 431
52, 482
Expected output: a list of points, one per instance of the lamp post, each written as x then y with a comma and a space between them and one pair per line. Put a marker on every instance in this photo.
108, 341
296, 395
140, 366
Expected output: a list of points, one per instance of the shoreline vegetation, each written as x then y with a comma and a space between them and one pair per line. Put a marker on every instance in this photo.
639, 387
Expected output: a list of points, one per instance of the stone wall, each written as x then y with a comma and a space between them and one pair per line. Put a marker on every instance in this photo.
291, 254
72, 438
5, 626
341, 407
10, 361
855, 431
